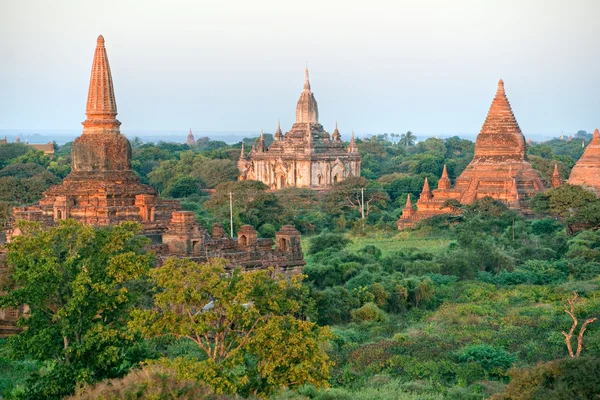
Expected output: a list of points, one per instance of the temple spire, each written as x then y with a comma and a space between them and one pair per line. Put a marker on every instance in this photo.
407, 211
261, 142
336, 134
426, 192
190, 139
556, 181
500, 138
306, 80
307, 110
444, 182
101, 107
278, 134
352, 148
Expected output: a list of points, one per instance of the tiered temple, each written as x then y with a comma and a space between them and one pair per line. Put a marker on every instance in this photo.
103, 190
499, 169
306, 156
586, 171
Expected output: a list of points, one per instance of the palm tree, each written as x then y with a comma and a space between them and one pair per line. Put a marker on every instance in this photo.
408, 139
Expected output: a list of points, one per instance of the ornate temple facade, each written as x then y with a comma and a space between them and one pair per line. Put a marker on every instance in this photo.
499, 169
306, 156
103, 190
586, 171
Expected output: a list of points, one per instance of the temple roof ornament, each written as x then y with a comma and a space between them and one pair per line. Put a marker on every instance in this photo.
444, 182
278, 134
101, 106
586, 171
242, 154
426, 192
336, 133
500, 138
307, 110
556, 181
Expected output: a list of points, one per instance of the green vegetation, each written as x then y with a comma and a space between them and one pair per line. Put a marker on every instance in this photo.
467, 307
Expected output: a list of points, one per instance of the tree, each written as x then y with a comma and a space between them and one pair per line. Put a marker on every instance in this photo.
407, 139
183, 186
355, 194
252, 204
568, 336
248, 325
77, 284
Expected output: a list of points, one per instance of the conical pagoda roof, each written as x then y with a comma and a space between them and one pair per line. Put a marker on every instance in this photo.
307, 110
500, 139
101, 106
586, 171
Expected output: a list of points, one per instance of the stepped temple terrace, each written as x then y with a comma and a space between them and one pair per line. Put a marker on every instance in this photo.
499, 170
306, 156
586, 171
103, 190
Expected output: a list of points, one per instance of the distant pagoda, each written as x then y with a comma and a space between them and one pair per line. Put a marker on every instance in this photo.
586, 171
499, 169
306, 156
190, 139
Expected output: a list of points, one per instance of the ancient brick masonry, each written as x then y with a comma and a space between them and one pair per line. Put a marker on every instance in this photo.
586, 171
499, 169
306, 156
185, 237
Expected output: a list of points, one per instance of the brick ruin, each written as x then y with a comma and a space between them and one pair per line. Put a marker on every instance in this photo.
306, 156
586, 171
499, 170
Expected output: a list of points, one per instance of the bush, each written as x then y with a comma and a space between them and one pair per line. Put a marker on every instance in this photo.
151, 383
570, 378
326, 241
494, 360
267, 230
369, 312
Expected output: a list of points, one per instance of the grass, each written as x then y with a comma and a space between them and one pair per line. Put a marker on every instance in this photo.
391, 241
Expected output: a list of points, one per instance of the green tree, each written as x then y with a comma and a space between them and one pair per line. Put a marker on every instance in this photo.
77, 284
407, 139
248, 326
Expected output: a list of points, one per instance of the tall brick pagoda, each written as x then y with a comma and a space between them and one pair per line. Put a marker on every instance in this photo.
306, 156
586, 171
102, 189
499, 169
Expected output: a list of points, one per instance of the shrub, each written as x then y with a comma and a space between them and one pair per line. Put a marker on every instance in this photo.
570, 378
151, 383
369, 312
327, 241
494, 360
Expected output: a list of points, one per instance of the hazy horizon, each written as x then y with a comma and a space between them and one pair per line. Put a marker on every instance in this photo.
430, 67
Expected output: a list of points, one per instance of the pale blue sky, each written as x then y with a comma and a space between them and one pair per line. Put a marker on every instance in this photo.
376, 66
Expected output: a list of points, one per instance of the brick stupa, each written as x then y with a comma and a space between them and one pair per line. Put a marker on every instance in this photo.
499, 169
102, 189
586, 171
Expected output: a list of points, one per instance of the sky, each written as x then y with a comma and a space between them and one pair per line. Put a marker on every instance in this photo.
429, 66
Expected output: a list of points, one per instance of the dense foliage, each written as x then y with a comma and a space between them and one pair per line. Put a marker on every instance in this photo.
461, 307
